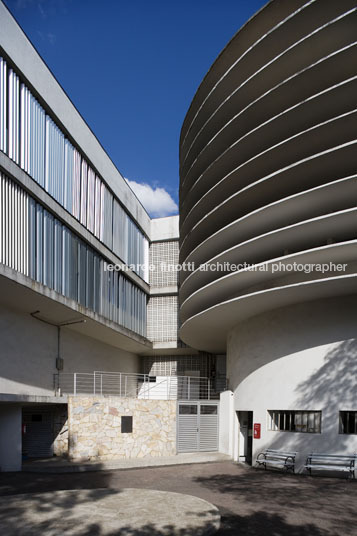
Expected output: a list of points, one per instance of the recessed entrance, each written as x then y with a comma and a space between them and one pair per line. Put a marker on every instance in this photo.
44, 430
245, 439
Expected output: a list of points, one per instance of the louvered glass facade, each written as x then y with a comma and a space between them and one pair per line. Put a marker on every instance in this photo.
36, 244
31, 138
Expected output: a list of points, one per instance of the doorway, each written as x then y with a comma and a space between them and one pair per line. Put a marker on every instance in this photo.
197, 426
245, 439
37, 431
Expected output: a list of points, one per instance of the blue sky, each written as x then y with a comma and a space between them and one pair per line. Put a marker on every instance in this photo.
132, 68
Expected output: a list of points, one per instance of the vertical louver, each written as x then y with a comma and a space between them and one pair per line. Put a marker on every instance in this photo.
32, 139
36, 244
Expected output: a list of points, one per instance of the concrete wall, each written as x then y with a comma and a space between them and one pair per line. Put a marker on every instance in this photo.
95, 428
226, 422
84, 354
164, 228
10, 437
301, 357
28, 353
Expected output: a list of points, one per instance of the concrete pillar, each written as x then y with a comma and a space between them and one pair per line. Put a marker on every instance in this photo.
226, 423
10, 437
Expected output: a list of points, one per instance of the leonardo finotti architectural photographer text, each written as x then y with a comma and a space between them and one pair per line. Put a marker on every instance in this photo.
227, 267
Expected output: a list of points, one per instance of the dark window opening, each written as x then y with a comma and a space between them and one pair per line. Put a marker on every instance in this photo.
348, 422
126, 425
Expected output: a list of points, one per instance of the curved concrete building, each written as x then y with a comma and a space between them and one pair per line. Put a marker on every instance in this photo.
268, 224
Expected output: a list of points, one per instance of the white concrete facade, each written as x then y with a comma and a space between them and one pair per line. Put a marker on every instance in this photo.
28, 362
303, 358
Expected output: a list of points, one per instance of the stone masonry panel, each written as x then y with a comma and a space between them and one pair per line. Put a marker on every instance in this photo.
95, 428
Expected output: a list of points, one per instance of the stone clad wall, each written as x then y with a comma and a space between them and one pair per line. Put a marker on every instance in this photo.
95, 428
60, 431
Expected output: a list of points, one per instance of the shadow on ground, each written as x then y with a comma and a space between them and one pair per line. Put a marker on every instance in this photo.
106, 512
265, 524
278, 504
252, 502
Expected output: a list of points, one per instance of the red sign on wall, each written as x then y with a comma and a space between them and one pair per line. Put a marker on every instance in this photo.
256, 428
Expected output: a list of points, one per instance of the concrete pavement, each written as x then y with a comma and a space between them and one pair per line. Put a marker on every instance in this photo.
251, 502
125, 512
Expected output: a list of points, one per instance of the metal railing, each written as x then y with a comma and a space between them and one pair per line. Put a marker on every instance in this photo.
131, 385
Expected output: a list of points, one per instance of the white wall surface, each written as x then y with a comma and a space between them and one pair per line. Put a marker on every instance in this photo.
302, 357
226, 423
165, 228
28, 353
10, 437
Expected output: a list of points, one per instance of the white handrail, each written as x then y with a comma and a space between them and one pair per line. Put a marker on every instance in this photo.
137, 385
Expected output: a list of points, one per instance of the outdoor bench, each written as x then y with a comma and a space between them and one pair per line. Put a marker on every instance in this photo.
278, 458
332, 462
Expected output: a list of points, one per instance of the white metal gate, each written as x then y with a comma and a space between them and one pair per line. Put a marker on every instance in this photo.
197, 426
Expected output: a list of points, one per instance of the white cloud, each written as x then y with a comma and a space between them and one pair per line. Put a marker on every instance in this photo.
157, 201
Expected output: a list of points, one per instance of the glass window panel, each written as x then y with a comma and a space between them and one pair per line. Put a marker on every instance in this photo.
208, 410
188, 410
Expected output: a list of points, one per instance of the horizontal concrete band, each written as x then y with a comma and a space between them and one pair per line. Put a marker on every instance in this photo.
277, 33
267, 168
310, 265
266, 151
31, 399
270, 219
209, 329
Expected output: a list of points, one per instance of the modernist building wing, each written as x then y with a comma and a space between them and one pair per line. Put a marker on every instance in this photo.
81, 313
268, 222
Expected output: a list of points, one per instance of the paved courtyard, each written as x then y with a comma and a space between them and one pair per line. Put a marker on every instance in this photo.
251, 502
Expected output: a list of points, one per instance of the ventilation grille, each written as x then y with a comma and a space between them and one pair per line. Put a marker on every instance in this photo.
163, 256
162, 319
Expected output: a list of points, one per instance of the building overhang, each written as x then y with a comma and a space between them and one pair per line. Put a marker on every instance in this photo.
208, 330
27, 296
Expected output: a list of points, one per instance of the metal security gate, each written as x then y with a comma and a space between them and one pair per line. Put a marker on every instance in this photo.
197, 426
37, 439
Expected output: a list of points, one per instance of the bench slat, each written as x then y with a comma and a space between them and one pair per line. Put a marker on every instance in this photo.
332, 462
270, 451
272, 462
337, 467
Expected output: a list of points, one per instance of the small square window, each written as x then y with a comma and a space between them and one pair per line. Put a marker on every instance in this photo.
126, 425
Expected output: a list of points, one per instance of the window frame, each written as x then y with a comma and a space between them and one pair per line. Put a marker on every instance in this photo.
298, 421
